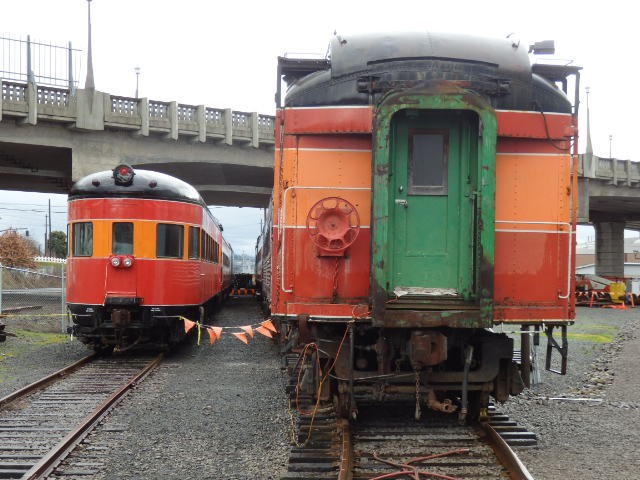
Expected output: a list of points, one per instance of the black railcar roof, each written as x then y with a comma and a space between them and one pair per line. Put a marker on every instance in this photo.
146, 184
363, 67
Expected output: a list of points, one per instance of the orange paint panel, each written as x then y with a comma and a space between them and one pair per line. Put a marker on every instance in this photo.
522, 194
101, 238
298, 202
145, 239
338, 168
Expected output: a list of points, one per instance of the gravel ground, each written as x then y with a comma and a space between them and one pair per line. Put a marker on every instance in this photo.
209, 412
221, 412
588, 422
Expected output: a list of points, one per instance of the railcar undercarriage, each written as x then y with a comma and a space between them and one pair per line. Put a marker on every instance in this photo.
121, 329
450, 370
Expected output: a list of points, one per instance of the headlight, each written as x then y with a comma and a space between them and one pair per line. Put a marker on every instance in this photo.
115, 261
127, 262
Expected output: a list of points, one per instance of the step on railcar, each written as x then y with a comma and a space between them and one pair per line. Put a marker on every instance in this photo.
144, 250
424, 195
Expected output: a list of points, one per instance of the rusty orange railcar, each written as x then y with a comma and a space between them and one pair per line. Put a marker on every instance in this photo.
144, 250
424, 194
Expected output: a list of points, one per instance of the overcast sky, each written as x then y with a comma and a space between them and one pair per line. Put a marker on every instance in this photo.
224, 55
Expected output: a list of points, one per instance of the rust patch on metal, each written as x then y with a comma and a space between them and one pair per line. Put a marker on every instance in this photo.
427, 349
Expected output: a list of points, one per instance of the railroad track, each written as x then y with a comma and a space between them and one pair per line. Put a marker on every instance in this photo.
42, 423
386, 442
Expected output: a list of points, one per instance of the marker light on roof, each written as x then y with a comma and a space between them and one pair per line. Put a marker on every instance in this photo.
123, 175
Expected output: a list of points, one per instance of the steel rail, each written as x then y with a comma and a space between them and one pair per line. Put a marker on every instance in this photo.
46, 380
50, 461
346, 451
505, 454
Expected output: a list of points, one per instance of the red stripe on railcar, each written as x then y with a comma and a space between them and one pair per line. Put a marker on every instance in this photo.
357, 119
535, 125
134, 209
312, 277
532, 273
329, 142
350, 119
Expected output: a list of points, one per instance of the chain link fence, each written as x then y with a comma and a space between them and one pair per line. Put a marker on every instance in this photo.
33, 300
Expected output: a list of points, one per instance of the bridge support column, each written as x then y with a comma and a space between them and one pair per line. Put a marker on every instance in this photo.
609, 248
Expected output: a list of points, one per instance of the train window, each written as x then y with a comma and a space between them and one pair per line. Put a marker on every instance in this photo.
82, 239
428, 162
169, 240
194, 242
122, 238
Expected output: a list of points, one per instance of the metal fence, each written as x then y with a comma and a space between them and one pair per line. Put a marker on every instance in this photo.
41, 63
33, 300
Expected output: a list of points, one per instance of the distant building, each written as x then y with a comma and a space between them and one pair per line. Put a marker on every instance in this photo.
243, 263
586, 252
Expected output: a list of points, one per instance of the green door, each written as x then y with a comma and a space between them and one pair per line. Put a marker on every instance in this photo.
432, 202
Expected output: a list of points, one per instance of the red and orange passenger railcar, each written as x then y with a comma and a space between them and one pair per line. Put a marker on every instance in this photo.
424, 193
144, 251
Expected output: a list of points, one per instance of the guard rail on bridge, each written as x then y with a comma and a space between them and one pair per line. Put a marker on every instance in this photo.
30, 103
611, 170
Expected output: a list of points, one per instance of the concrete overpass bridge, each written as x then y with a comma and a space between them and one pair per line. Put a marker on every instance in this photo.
609, 198
52, 136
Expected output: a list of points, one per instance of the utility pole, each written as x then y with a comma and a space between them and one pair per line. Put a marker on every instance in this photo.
46, 223
48, 246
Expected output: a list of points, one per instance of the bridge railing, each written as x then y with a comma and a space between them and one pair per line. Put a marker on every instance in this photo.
32, 102
612, 170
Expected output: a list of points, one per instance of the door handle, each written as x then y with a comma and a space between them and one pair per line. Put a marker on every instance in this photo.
400, 201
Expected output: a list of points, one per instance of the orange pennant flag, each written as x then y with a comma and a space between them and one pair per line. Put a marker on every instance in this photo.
212, 336
242, 337
264, 331
188, 324
216, 330
269, 326
249, 330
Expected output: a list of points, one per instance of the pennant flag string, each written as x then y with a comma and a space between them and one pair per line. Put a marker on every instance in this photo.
242, 337
266, 328
264, 331
248, 330
188, 324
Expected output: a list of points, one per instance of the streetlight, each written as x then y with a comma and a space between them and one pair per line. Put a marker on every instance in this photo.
137, 70
89, 83
610, 139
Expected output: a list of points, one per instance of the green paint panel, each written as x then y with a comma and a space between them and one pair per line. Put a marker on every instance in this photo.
434, 200
431, 215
